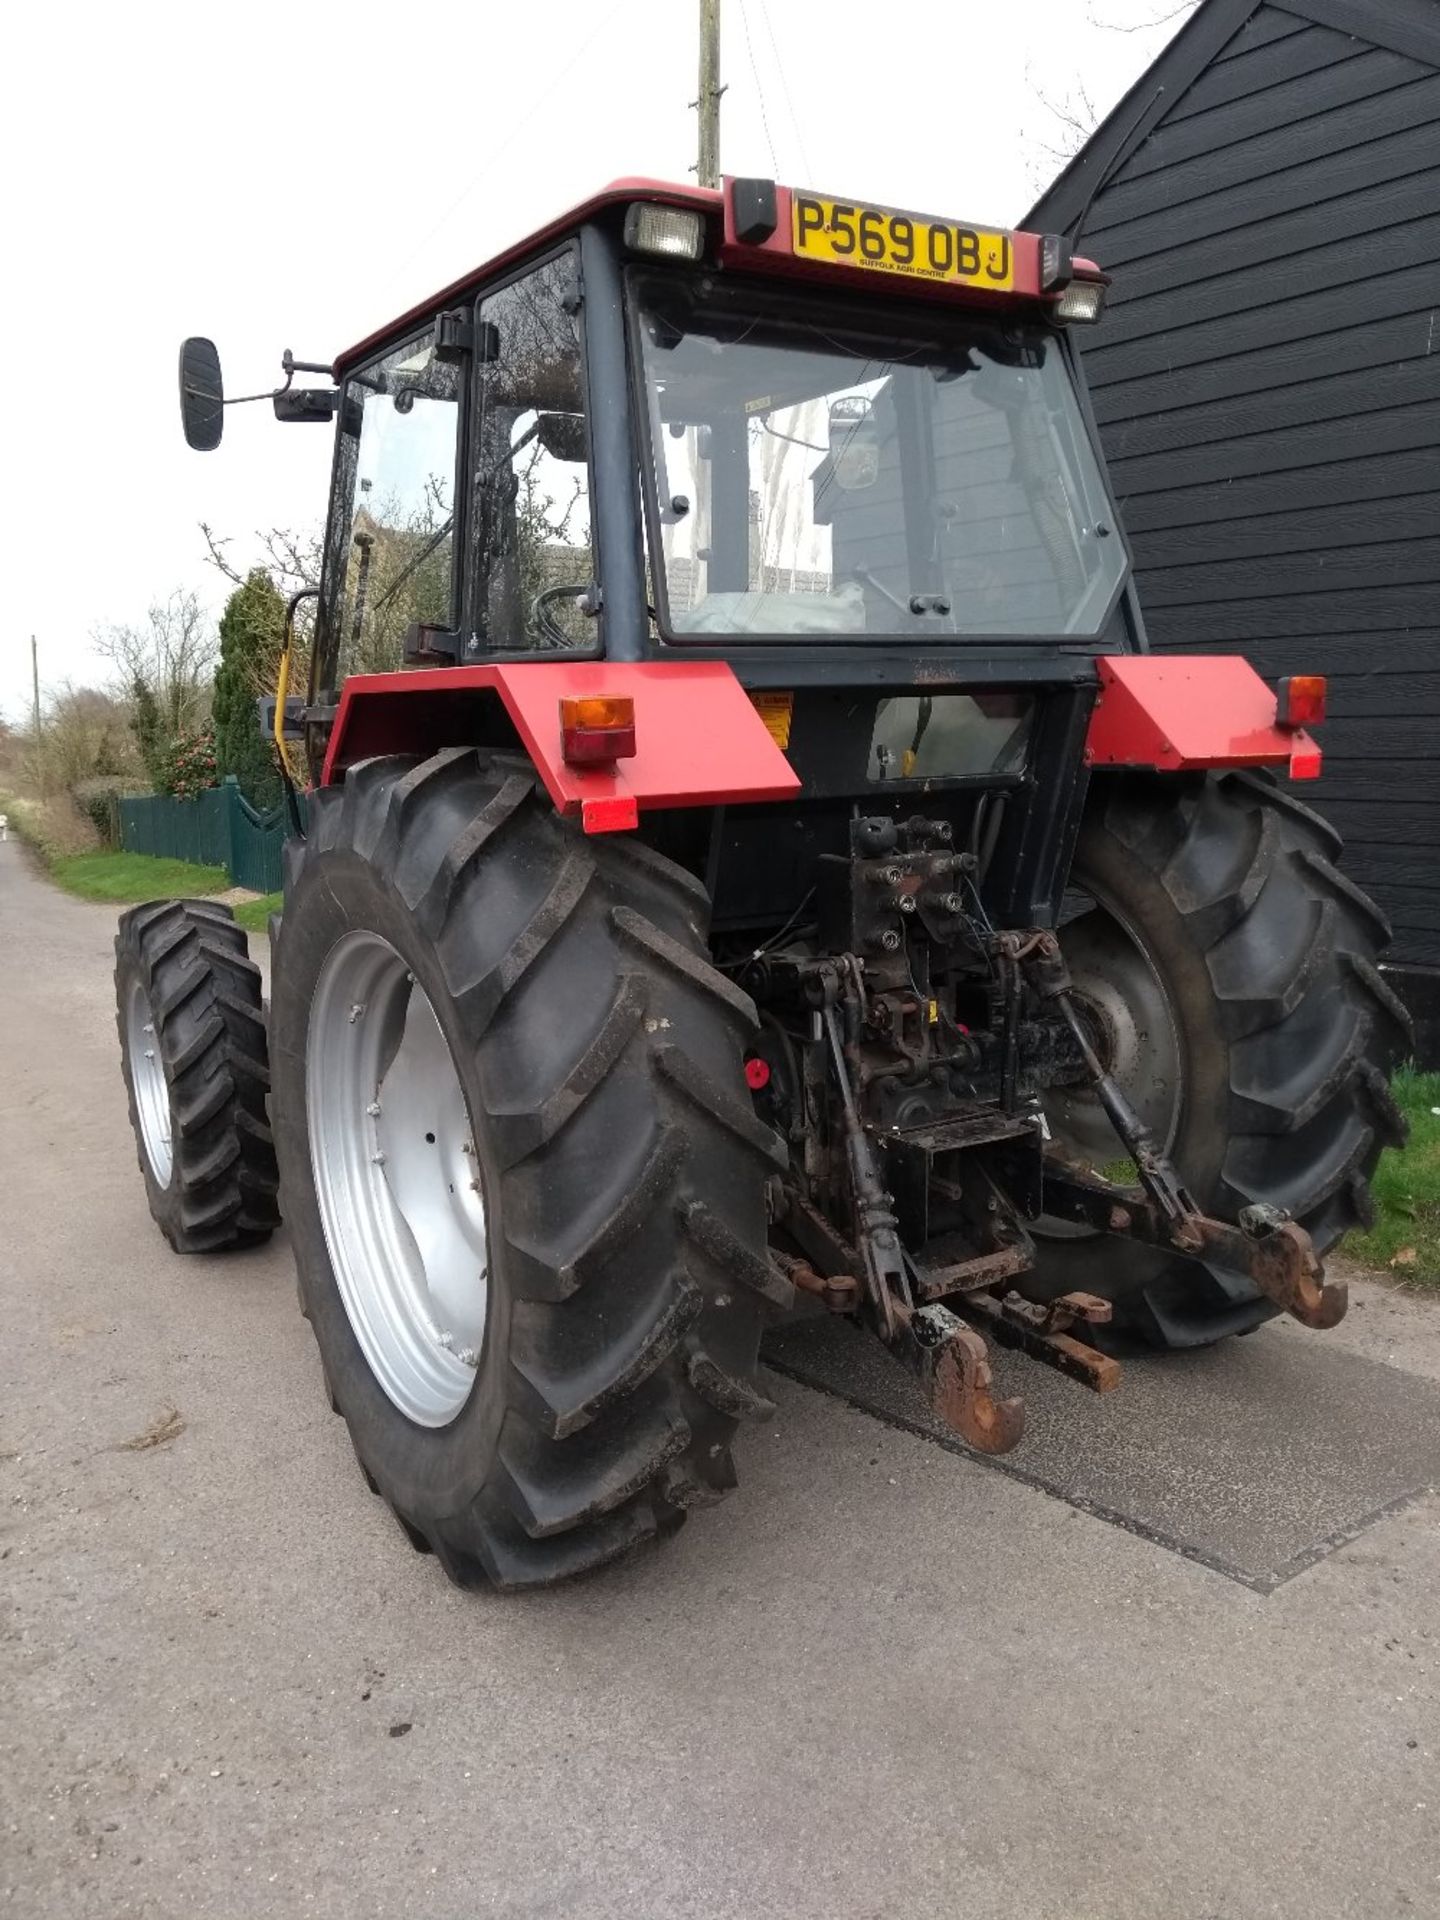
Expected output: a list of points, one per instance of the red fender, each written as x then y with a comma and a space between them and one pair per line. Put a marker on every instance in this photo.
699, 741
1174, 711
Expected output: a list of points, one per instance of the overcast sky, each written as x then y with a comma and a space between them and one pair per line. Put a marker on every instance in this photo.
294, 175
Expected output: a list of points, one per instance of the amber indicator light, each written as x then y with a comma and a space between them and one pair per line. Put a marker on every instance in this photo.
595, 728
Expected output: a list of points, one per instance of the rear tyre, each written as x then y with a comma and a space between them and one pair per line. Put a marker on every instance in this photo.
1228, 970
547, 1368
192, 1048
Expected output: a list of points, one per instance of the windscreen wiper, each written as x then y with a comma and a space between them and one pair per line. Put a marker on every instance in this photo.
419, 560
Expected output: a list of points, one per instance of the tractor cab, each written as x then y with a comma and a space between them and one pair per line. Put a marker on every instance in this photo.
750, 862
837, 426
749, 424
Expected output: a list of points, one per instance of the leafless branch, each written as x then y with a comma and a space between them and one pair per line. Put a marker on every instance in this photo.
1144, 26
1074, 119
291, 559
216, 555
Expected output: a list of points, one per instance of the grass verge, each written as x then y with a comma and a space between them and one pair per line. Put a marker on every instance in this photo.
127, 877
121, 879
254, 915
1405, 1240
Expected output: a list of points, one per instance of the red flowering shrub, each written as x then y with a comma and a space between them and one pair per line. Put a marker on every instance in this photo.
188, 766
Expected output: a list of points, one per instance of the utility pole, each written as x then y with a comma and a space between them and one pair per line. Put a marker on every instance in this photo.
35, 677
707, 170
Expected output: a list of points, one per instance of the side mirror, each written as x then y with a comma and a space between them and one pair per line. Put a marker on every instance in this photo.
202, 394
854, 444
562, 435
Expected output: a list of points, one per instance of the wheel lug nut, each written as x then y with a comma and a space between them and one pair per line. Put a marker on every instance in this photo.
377, 1159
356, 1011
373, 1109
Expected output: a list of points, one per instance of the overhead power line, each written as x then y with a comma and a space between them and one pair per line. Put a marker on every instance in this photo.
522, 125
759, 89
785, 89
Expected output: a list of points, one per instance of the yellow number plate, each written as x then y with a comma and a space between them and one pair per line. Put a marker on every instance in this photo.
848, 234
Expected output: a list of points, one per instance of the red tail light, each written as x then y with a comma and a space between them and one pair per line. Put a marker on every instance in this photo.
1300, 700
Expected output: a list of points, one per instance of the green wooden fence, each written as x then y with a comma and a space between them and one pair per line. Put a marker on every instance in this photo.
218, 829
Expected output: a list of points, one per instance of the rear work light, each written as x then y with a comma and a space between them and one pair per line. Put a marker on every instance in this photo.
1083, 301
1300, 700
675, 233
595, 730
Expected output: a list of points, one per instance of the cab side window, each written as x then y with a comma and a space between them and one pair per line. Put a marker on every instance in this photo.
395, 557
533, 579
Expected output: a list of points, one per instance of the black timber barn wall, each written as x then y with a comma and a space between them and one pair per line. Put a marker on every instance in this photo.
1267, 383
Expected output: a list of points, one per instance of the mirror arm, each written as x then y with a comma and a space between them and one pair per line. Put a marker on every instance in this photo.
289, 366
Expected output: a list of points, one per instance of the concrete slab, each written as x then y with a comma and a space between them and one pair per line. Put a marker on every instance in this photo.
1256, 1458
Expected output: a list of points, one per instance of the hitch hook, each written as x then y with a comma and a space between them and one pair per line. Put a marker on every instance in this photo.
952, 1364
1287, 1269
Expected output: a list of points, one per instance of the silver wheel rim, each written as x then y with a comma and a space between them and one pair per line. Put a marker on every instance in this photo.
147, 1077
1123, 1001
393, 1154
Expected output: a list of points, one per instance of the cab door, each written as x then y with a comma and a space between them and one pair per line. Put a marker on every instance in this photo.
531, 579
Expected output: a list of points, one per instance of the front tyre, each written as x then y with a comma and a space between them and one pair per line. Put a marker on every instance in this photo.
192, 1049
1227, 971
523, 1177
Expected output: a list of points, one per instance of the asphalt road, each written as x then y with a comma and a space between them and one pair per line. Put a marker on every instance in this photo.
882, 1680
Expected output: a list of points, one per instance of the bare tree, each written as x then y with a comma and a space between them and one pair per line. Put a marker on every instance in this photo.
172, 653
1072, 115
1072, 119
85, 734
291, 559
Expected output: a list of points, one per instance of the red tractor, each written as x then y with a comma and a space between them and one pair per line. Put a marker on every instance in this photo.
749, 861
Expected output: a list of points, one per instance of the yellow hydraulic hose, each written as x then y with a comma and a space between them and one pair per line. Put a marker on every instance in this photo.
282, 687
294, 782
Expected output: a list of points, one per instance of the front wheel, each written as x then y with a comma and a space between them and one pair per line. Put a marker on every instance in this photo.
192, 1049
523, 1177
1226, 970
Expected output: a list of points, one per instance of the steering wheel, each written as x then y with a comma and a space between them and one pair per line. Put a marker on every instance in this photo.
540, 610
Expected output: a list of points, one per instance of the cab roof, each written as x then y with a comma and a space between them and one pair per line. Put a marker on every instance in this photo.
708, 200
771, 254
